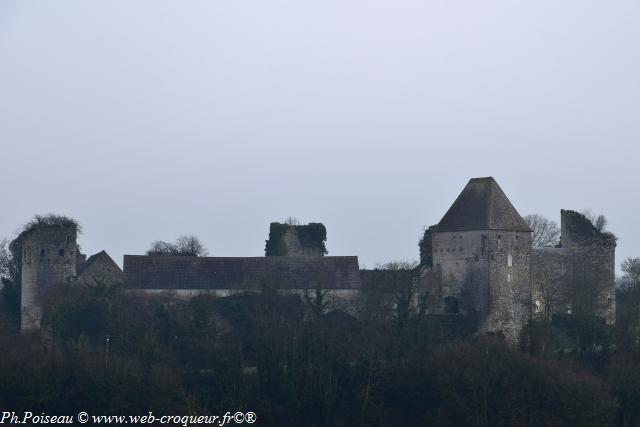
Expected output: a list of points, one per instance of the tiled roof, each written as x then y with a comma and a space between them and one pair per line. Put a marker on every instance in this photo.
482, 205
284, 272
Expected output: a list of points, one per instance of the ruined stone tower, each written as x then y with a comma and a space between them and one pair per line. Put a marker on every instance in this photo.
591, 265
48, 259
481, 254
578, 276
296, 240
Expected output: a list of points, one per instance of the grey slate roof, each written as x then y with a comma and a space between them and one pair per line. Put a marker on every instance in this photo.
482, 205
284, 272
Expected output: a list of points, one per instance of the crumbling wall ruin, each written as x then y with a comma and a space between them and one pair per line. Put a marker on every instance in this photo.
579, 276
296, 240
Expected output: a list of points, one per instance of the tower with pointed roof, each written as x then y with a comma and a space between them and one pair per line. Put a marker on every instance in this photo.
481, 255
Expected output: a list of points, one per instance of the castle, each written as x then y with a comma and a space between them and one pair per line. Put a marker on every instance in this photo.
50, 256
482, 264
478, 262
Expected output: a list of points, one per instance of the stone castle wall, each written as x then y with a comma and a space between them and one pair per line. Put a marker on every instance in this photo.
487, 272
99, 269
592, 279
549, 282
493, 275
294, 247
509, 283
458, 257
578, 276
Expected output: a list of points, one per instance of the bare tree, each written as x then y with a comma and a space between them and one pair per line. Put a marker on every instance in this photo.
404, 289
10, 264
631, 269
6, 261
393, 294
545, 231
160, 247
598, 221
292, 221
10, 285
184, 246
624, 283
549, 288
190, 245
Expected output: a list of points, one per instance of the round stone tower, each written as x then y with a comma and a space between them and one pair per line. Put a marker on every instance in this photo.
48, 259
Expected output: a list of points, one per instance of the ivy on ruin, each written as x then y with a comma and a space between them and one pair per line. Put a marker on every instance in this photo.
425, 244
312, 236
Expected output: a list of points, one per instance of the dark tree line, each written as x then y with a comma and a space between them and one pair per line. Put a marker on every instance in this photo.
256, 351
292, 361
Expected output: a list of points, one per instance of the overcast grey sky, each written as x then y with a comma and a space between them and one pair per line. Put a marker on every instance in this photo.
150, 119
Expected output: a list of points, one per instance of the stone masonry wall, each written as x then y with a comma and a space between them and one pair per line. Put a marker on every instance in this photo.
591, 265
48, 259
456, 256
509, 284
549, 282
102, 270
592, 279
